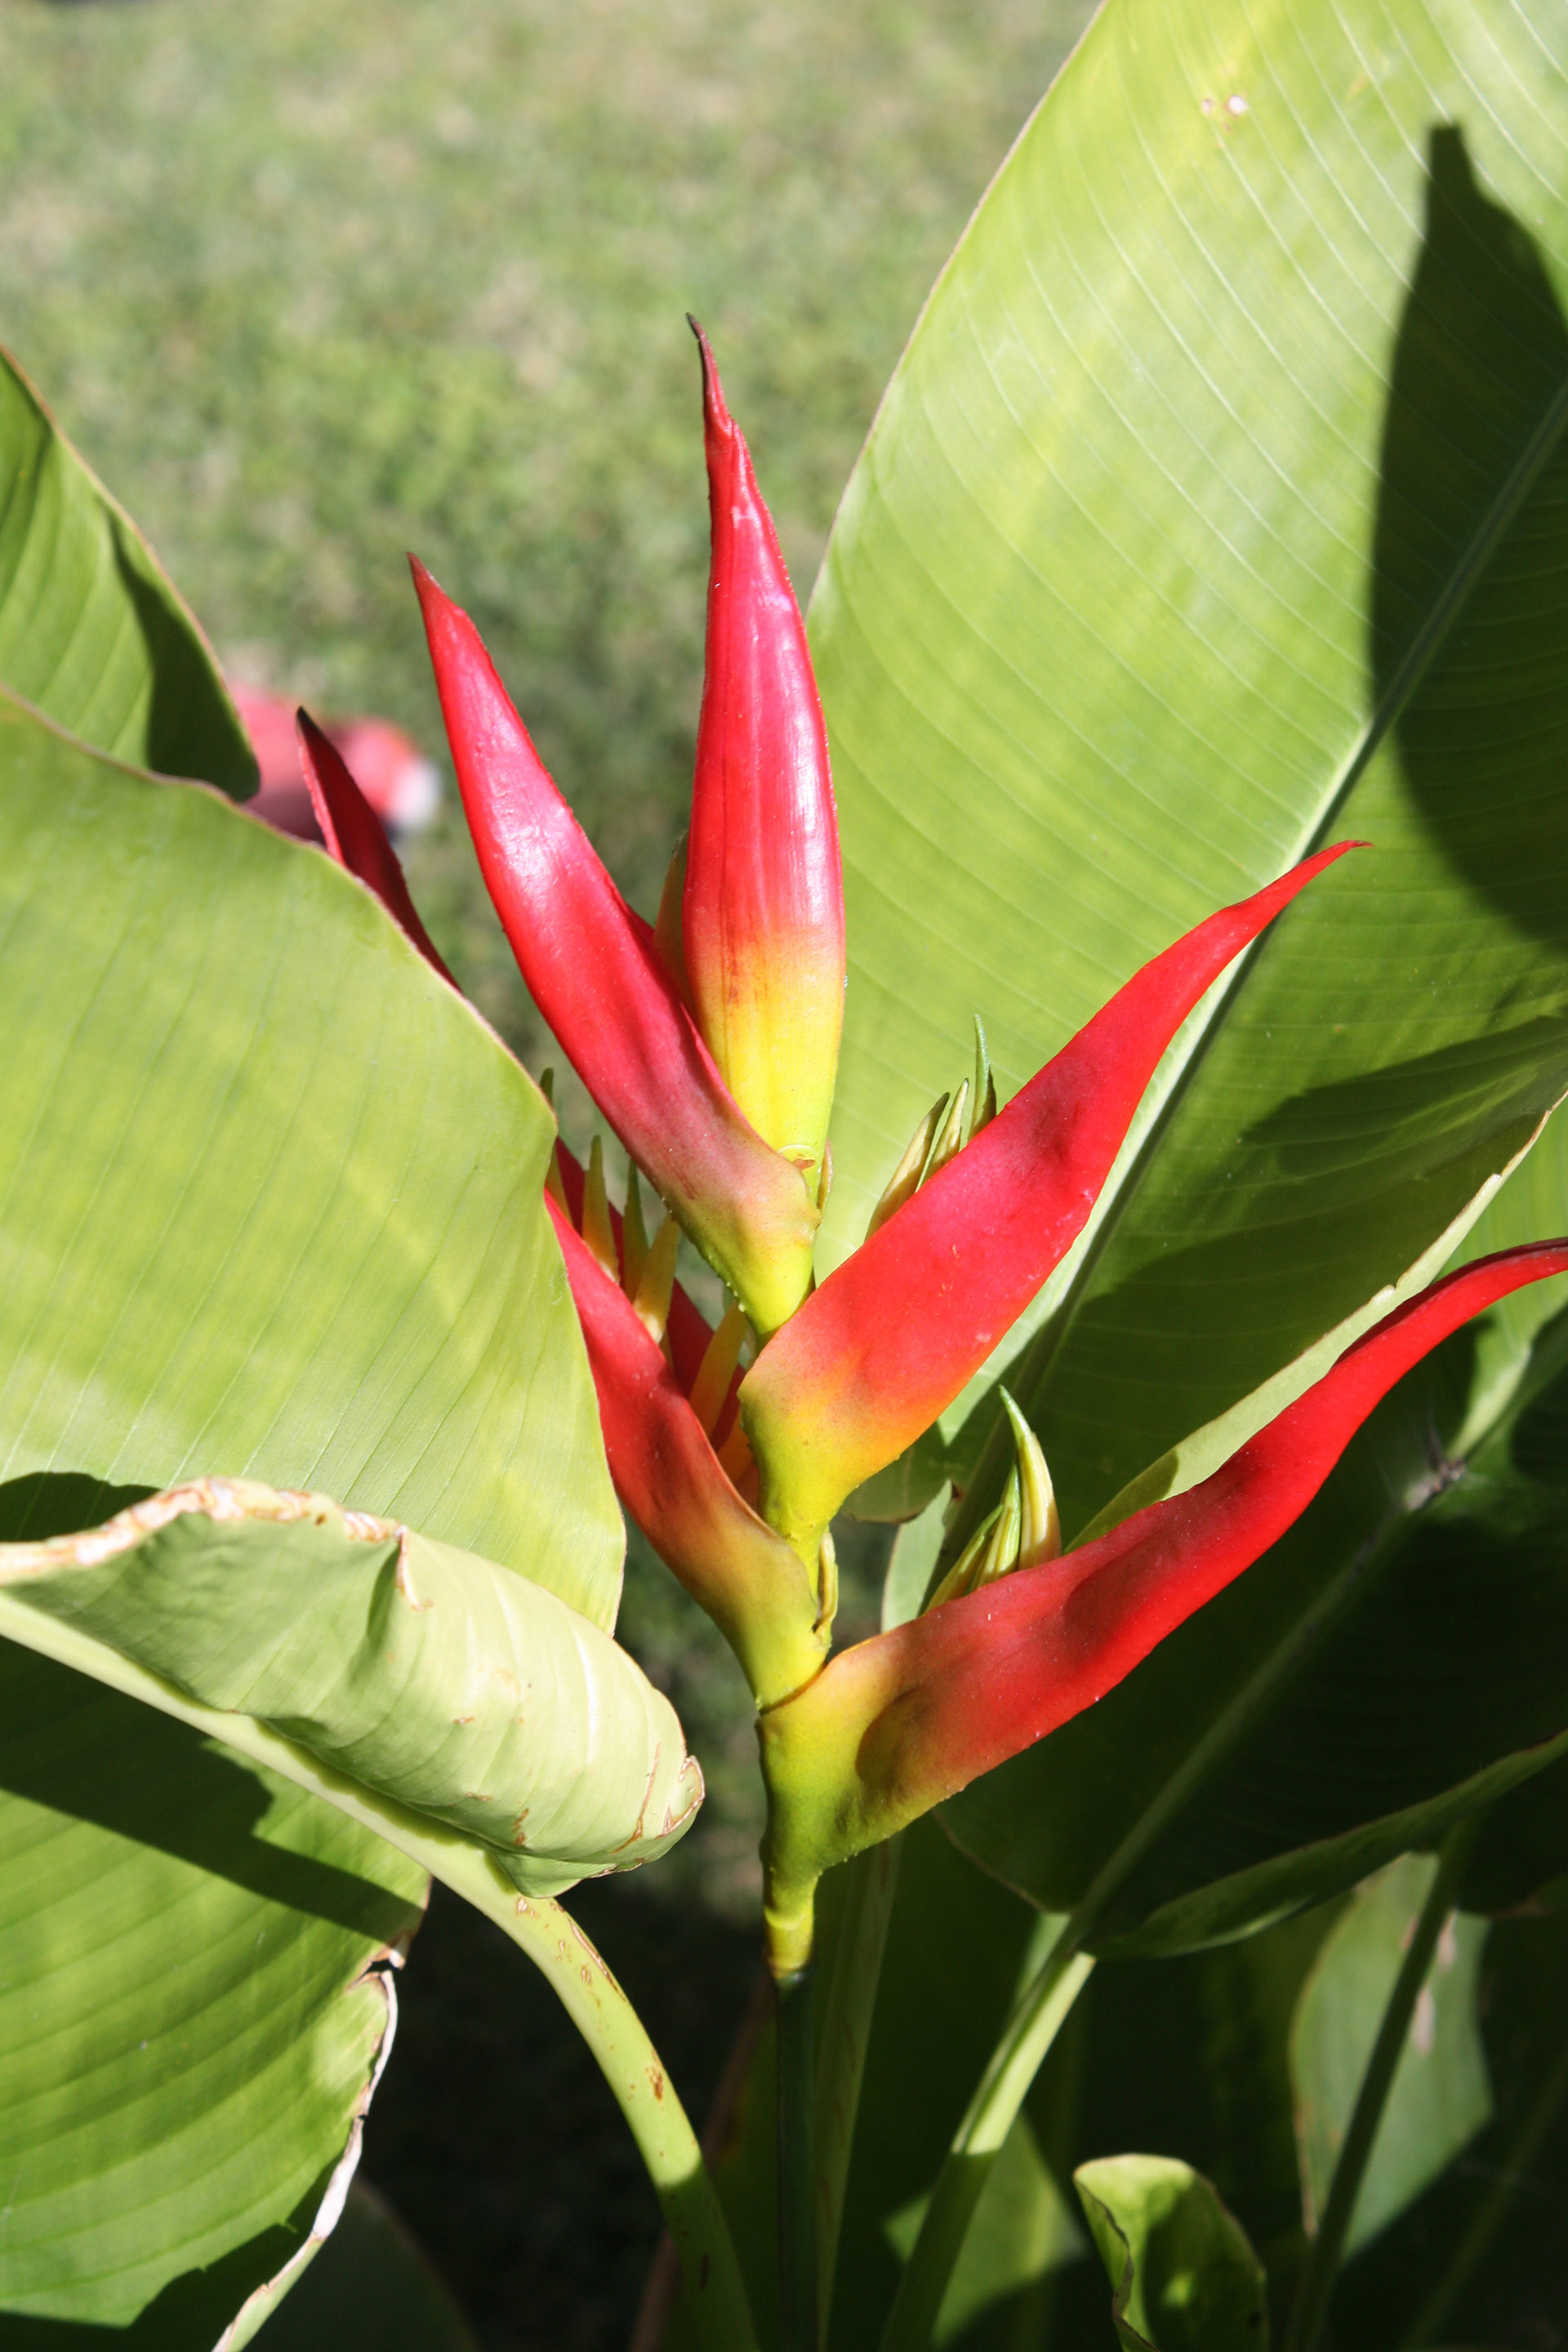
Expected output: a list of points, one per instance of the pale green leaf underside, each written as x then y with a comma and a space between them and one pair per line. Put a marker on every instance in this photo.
1235, 419
188, 2030
91, 630
428, 1679
1440, 2098
270, 1192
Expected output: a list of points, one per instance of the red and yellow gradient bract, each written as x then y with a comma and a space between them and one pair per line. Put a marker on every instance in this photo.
763, 908
895, 1332
892, 1727
597, 975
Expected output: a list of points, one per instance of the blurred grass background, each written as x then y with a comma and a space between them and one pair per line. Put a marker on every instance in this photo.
312, 286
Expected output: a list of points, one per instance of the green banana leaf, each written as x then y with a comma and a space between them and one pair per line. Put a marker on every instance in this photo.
194, 2005
457, 1694
192, 2034
1440, 2098
270, 1191
269, 1196
92, 632
1396, 1659
1183, 2276
1216, 512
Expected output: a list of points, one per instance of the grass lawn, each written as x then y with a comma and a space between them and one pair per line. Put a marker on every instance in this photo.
314, 285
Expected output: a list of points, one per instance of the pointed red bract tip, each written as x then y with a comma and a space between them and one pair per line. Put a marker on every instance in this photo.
597, 975
762, 907
892, 1728
892, 1335
355, 836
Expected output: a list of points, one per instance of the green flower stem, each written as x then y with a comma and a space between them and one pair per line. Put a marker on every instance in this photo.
1036, 2021
871, 1883
1323, 2262
797, 2235
715, 2295
593, 2000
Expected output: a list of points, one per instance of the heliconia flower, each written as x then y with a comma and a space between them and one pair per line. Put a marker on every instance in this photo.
671, 1482
597, 974
893, 1334
892, 1727
761, 909
354, 834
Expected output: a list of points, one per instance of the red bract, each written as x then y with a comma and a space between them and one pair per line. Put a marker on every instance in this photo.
355, 836
893, 1335
892, 1727
670, 1479
598, 979
762, 907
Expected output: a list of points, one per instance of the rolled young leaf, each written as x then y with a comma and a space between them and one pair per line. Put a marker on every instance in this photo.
670, 1479
890, 1728
439, 1682
896, 1332
762, 907
597, 975
355, 835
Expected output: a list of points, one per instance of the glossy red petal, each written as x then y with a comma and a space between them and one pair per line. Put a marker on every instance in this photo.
355, 836
892, 1728
668, 1477
595, 974
762, 909
896, 1332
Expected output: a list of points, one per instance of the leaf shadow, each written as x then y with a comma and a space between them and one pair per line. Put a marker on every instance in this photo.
184, 735
1475, 434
